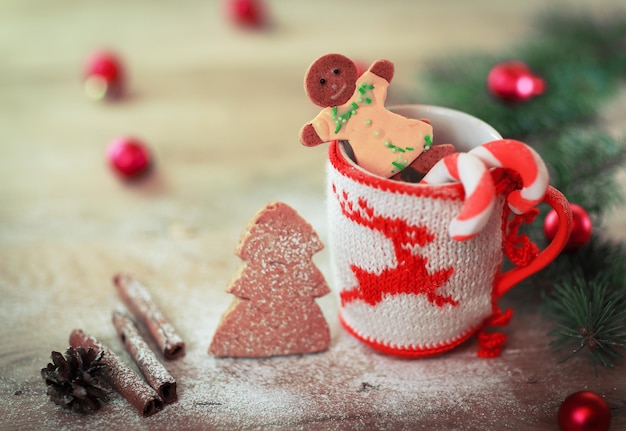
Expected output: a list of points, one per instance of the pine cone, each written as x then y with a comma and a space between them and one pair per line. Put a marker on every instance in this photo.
74, 381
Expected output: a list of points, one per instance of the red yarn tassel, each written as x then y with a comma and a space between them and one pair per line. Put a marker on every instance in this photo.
491, 343
519, 248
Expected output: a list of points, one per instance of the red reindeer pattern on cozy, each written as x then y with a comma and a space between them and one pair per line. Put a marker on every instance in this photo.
410, 275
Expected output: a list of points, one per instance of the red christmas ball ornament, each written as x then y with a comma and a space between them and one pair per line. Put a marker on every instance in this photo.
581, 228
247, 13
129, 157
361, 67
104, 75
584, 411
513, 81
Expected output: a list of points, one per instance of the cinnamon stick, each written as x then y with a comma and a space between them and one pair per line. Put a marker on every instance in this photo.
139, 302
120, 376
147, 362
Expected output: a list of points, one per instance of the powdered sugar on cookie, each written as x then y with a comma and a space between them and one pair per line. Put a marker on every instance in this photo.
274, 312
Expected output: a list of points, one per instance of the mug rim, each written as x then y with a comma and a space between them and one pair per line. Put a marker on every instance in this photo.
448, 112
340, 161
346, 167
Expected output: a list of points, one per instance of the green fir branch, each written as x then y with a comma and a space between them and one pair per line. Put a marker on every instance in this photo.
583, 36
580, 73
583, 164
600, 256
588, 315
573, 95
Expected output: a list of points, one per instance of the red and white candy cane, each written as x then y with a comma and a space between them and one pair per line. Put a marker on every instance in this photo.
515, 155
480, 192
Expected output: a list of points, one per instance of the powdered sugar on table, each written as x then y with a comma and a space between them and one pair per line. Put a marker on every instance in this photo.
347, 387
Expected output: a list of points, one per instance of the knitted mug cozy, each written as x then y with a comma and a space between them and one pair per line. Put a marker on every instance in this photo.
405, 286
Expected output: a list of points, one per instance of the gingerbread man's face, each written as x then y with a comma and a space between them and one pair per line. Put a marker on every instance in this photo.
331, 80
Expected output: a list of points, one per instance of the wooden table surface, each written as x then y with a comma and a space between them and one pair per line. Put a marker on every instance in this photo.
221, 110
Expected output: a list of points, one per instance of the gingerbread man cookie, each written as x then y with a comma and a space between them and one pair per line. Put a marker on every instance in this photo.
383, 143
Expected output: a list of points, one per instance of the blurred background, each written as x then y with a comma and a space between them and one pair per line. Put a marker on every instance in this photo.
219, 105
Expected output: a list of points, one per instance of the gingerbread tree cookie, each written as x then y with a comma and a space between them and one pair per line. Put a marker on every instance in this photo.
274, 312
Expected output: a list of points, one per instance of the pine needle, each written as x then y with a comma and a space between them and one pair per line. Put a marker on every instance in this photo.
588, 315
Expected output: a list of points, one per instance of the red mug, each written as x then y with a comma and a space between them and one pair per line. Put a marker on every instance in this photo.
406, 287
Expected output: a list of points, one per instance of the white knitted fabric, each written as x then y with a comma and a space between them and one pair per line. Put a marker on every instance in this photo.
409, 321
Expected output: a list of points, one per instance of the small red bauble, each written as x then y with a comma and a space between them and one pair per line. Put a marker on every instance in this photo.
246, 13
361, 67
104, 75
581, 228
129, 157
513, 81
584, 411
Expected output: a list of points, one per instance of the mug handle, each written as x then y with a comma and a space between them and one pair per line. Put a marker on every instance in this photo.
559, 203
